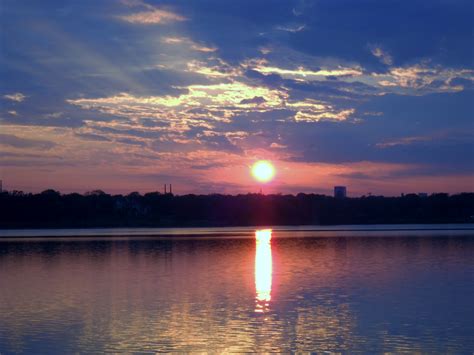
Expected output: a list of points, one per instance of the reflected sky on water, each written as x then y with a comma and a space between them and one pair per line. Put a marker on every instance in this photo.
262, 293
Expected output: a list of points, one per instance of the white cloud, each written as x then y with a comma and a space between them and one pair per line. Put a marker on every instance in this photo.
17, 97
291, 28
278, 146
424, 78
209, 107
382, 55
190, 43
265, 50
54, 115
153, 17
314, 116
261, 65
219, 69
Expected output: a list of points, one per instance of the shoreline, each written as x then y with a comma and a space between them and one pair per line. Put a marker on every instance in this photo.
242, 231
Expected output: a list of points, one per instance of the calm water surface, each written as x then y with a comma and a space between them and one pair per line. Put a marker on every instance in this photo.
238, 290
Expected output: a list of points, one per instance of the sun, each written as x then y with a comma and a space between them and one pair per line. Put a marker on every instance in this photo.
263, 171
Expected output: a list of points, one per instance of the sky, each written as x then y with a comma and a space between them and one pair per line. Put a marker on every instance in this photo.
127, 95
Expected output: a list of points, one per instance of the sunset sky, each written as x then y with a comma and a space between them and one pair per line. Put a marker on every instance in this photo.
128, 95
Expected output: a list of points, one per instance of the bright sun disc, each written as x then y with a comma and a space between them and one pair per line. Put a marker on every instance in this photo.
263, 171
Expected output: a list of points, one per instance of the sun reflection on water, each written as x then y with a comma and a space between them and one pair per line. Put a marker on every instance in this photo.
263, 269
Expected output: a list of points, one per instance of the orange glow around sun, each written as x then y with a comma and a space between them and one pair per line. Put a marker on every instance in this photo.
263, 171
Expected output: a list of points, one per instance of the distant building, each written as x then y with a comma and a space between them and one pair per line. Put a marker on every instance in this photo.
340, 192
422, 194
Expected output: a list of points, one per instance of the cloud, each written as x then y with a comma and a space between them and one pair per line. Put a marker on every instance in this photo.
206, 166
17, 97
202, 48
423, 78
382, 55
54, 115
18, 142
131, 141
255, 100
312, 116
190, 43
153, 16
278, 146
301, 72
92, 137
215, 68
403, 141
204, 106
291, 28
215, 98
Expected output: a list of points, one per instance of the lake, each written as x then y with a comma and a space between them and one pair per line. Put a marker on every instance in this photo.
364, 289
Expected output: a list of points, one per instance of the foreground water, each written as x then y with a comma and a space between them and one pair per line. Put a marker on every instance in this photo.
238, 290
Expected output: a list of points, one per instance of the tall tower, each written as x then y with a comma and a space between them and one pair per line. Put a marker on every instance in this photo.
340, 192
1, 186
171, 190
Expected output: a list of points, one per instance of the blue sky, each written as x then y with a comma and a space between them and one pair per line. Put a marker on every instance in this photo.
128, 95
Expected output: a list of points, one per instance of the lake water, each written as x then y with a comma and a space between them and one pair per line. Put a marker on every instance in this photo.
374, 289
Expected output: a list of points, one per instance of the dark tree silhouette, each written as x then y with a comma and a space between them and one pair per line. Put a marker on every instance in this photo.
50, 209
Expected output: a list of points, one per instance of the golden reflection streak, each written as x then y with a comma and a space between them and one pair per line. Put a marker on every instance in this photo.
263, 269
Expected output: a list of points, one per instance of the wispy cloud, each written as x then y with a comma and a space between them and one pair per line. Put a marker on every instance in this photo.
278, 146
206, 105
19, 142
190, 43
423, 77
54, 115
314, 116
291, 28
92, 137
404, 141
17, 97
262, 66
382, 55
219, 69
152, 15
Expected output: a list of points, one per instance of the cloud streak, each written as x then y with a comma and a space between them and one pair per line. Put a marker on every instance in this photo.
189, 43
23, 143
151, 16
382, 55
16, 97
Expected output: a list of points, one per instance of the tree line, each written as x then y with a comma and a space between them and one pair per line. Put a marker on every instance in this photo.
51, 209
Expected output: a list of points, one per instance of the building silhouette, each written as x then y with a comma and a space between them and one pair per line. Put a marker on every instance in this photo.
340, 192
